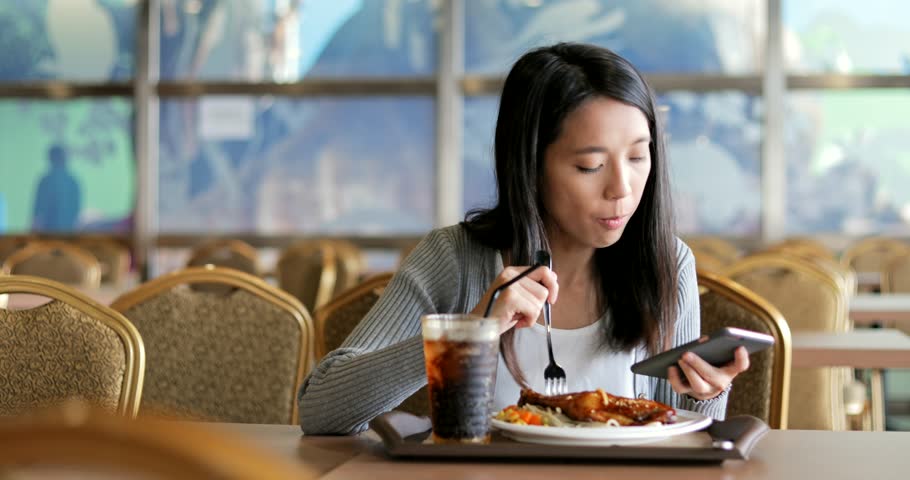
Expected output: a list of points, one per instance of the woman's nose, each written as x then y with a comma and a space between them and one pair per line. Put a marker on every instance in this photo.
618, 185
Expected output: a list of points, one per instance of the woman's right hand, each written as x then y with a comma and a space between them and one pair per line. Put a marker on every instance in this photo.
520, 304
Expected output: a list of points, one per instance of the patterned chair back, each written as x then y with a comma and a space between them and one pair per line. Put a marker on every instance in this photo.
812, 299
69, 347
9, 244
763, 390
57, 261
872, 254
233, 355
113, 256
337, 319
717, 248
803, 247
226, 253
349, 265
87, 443
897, 275
307, 270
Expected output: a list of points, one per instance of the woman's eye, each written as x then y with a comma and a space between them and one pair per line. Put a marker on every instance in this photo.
638, 159
588, 170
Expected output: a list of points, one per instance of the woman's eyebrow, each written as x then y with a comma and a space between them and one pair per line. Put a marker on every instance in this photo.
601, 149
590, 149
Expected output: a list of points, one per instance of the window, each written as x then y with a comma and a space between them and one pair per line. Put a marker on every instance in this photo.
359, 165
71, 40
665, 36
89, 186
284, 41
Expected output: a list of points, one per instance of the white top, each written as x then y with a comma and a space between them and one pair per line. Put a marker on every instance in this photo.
579, 352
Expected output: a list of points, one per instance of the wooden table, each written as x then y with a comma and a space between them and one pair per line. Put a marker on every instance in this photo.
791, 454
875, 349
321, 454
868, 348
890, 309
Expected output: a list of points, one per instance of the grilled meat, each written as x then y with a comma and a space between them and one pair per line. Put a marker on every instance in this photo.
600, 406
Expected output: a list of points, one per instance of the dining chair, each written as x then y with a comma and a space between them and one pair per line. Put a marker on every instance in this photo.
707, 261
896, 274
845, 274
763, 390
872, 254
349, 265
237, 354
716, 248
71, 346
896, 278
57, 261
811, 298
337, 319
804, 247
308, 271
113, 256
11, 243
74, 440
406, 249
226, 253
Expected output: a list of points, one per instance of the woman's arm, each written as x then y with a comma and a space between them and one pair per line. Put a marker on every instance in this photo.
381, 363
688, 328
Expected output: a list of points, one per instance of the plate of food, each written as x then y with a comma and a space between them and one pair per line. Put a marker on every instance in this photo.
593, 418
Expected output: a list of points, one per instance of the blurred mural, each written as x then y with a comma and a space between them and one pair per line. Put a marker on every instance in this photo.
365, 164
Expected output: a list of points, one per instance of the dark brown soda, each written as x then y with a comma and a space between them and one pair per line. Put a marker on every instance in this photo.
461, 377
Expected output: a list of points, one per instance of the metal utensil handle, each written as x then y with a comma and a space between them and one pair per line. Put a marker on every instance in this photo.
543, 257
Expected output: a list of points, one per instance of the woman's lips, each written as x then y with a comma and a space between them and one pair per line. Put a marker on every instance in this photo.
613, 223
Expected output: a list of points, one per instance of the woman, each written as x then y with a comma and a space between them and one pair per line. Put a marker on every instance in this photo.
581, 172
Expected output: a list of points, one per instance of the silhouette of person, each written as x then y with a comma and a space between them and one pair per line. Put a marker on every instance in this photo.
59, 197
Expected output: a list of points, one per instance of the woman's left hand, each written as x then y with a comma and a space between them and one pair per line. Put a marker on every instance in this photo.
702, 380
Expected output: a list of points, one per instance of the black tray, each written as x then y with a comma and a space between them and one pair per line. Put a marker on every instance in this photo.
405, 436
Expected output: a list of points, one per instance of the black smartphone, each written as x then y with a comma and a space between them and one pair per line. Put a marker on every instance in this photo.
717, 350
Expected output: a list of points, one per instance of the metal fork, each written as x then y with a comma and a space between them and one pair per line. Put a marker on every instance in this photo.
554, 376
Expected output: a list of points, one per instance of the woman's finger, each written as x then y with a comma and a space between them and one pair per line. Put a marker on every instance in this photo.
677, 382
537, 290
709, 373
698, 384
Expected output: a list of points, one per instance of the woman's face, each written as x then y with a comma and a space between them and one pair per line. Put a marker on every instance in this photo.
595, 173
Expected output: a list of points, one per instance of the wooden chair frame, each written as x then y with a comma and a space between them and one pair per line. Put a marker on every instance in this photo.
134, 350
783, 356
237, 279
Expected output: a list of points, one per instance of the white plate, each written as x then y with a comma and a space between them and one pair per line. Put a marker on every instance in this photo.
686, 422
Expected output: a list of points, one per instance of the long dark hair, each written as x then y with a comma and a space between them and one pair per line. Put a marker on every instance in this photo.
637, 274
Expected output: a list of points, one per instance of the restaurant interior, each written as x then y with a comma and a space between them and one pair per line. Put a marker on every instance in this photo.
200, 199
